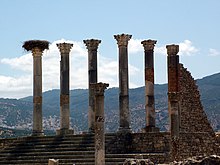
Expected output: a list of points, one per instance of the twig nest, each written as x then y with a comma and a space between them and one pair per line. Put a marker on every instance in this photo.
41, 44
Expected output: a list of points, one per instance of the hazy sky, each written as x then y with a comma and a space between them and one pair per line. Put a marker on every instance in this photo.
193, 24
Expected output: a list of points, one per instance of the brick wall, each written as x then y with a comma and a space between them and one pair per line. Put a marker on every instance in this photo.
193, 117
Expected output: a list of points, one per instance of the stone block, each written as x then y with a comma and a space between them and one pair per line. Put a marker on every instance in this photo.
53, 162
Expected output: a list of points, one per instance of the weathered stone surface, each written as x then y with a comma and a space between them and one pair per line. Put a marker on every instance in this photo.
37, 47
173, 89
124, 123
92, 46
64, 88
138, 161
196, 134
193, 117
99, 89
149, 85
199, 160
53, 162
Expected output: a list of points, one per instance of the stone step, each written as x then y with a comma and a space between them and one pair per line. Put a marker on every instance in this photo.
72, 153
57, 139
78, 149
49, 150
51, 145
53, 142
76, 136
86, 158
47, 157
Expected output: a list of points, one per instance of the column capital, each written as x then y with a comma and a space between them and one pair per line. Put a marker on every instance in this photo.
148, 44
122, 39
36, 46
92, 44
36, 52
172, 50
99, 88
64, 47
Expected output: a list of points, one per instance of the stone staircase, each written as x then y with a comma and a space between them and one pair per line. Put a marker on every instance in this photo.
71, 149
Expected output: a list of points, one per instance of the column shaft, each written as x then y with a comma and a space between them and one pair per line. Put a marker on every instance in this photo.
124, 121
37, 92
173, 89
64, 92
149, 85
37, 47
64, 89
99, 122
92, 46
123, 89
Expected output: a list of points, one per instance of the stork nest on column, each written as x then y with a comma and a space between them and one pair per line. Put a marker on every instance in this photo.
41, 44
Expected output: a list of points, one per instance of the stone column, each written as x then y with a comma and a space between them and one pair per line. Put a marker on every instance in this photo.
37, 47
124, 123
149, 85
92, 46
64, 89
173, 89
99, 89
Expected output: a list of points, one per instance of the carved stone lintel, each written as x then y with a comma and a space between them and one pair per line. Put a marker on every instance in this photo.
122, 39
172, 50
64, 99
148, 44
99, 88
64, 47
37, 99
173, 96
92, 44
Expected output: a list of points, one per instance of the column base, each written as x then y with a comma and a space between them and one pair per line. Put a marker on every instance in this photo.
150, 129
124, 130
64, 132
37, 133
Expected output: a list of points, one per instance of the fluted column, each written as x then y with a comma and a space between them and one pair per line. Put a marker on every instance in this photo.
37, 47
124, 123
173, 89
64, 89
99, 89
92, 46
149, 85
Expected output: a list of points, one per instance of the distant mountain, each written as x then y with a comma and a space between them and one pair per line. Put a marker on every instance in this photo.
17, 114
210, 96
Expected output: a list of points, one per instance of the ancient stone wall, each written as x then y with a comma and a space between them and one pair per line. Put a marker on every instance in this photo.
194, 144
196, 134
139, 143
193, 117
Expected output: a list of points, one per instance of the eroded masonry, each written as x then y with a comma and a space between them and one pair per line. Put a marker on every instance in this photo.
190, 133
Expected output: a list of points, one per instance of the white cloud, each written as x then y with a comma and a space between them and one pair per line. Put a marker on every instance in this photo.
135, 46
186, 48
21, 86
213, 52
17, 87
25, 61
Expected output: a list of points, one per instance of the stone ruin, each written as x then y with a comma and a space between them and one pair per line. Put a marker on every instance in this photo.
190, 133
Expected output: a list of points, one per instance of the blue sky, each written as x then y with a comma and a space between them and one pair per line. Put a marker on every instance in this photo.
194, 25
